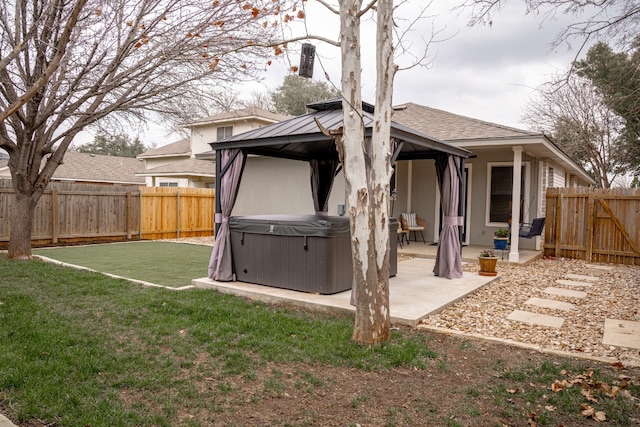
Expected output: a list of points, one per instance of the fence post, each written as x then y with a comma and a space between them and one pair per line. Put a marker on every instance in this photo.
177, 215
54, 216
590, 222
558, 223
129, 215
140, 217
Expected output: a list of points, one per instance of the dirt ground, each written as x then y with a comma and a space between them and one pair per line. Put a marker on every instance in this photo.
470, 383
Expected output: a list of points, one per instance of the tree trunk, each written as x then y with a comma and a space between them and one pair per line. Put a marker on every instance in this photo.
365, 188
21, 221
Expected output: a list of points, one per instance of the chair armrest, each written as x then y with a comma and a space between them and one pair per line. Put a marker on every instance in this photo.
421, 222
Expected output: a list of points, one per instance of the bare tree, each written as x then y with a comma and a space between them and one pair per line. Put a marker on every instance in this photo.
582, 124
613, 19
67, 65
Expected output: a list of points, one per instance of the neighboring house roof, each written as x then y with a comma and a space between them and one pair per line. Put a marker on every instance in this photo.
99, 168
245, 113
449, 126
191, 167
178, 148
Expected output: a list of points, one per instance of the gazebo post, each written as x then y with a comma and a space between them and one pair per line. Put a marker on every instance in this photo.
218, 205
461, 200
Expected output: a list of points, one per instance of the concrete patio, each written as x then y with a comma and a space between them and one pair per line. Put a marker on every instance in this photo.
414, 293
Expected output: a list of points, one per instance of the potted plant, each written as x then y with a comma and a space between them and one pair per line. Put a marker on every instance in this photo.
488, 260
501, 238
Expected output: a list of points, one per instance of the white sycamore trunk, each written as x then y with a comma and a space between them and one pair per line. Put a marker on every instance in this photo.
368, 196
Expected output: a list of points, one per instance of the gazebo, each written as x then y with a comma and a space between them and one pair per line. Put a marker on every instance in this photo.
300, 138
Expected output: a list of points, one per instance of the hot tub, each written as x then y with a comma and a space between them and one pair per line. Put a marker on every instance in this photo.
299, 252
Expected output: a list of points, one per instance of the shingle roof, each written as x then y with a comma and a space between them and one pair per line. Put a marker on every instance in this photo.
182, 167
99, 168
451, 127
181, 147
240, 114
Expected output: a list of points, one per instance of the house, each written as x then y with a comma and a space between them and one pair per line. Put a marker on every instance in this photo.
489, 174
276, 185
175, 164
92, 169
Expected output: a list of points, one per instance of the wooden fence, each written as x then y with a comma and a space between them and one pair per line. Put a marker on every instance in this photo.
172, 212
597, 225
72, 212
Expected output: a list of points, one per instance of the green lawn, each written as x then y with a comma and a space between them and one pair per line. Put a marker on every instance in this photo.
76, 346
163, 263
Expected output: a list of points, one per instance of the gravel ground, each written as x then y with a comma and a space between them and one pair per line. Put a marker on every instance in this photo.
616, 295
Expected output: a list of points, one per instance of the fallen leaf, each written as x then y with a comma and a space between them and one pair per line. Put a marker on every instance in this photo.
556, 386
600, 416
550, 408
513, 390
588, 396
587, 410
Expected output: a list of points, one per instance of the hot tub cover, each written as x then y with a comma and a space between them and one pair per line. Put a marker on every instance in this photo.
291, 225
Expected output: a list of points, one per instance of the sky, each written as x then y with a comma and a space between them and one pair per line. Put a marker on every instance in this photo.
484, 72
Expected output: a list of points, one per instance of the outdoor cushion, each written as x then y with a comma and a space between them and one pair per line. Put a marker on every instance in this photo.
411, 219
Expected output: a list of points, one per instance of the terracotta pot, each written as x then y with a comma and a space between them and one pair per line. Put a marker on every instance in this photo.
488, 265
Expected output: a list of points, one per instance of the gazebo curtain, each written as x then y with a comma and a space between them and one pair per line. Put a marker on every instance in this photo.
232, 165
323, 173
448, 258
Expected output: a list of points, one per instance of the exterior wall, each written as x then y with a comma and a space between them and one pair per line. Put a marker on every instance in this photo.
425, 198
201, 136
281, 186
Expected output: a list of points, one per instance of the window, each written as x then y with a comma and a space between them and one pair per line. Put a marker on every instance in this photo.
224, 132
500, 192
550, 175
168, 184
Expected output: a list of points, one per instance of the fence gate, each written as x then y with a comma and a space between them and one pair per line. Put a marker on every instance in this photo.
597, 225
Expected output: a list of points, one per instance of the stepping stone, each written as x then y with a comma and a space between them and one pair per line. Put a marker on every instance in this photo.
600, 267
536, 319
573, 283
565, 292
550, 303
581, 277
621, 333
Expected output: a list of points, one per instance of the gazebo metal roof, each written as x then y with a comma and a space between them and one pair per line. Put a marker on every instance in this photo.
299, 138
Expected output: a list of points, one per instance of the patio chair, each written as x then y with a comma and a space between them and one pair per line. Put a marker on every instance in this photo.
403, 232
529, 230
414, 224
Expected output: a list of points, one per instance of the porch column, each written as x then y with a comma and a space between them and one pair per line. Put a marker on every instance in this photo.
409, 184
514, 254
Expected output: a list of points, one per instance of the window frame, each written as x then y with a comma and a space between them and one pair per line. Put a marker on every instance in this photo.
525, 193
227, 131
